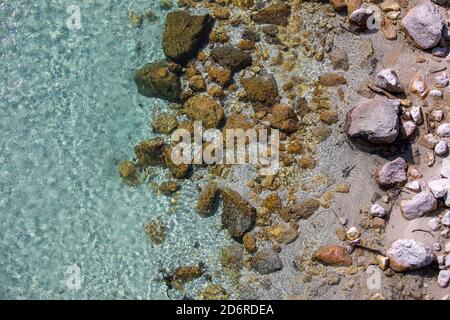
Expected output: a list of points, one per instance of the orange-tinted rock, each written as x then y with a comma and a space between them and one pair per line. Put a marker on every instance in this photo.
333, 255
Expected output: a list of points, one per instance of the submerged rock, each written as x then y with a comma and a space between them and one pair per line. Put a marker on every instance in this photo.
277, 14
207, 199
392, 173
150, 152
213, 292
164, 123
424, 25
156, 231
187, 273
262, 90
169, 187
231, 58
129, 173
375, 121
238, 215
159, 80
408, 254
333, 255
266, 261
184, 34
179, 171
421, 204
204, 109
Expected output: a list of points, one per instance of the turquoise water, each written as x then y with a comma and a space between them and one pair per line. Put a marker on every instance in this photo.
69, 112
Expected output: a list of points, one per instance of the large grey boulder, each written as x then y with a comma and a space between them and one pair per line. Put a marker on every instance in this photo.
424, 24
375, 121
409, 254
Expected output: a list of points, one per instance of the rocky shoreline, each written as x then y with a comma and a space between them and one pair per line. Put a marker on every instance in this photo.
364, 143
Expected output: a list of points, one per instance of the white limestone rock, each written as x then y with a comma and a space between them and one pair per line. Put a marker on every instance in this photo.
409, 254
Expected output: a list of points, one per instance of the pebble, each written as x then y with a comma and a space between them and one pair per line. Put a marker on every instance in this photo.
442, 80
377, 211
441, 148
443, 130
413, 186
353, 233
434, 224
416, 114
436, 93
446, 219
437, 115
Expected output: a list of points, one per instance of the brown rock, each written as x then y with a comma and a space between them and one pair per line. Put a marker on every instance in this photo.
197, 83
164, 123
221, 13
284, 118
243, 4
184, 34
282, 233
156, 231
306, 209
339, 59
262, 90
129, 173
188, 273
329, 117
231, 58
160, 80
220, 75
333, 255
204, 109
179, 171
207, 199
150, 152
169, 187
277, 14
238, 215
245, 44
338, 5
352, 5
249, 242
213, 292
332, 80
272, 202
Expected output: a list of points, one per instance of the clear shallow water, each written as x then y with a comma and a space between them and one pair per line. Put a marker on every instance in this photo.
69, 112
